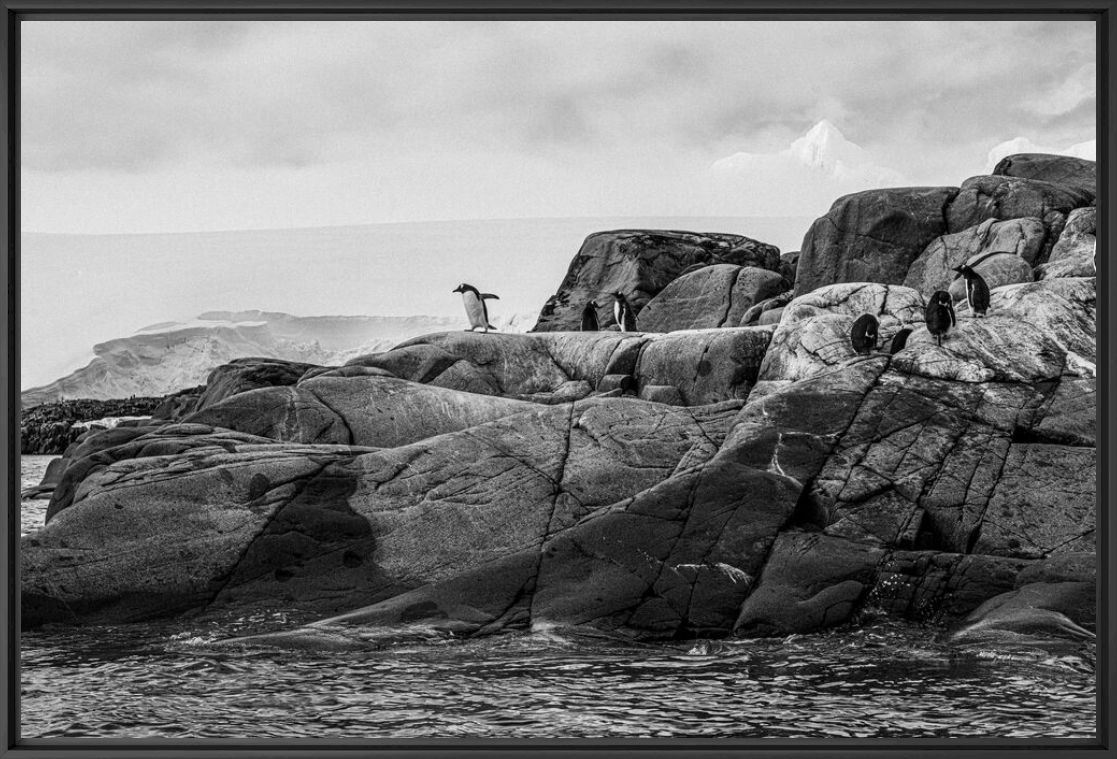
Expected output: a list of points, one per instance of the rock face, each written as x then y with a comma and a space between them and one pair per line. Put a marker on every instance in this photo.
934, 269
724, 480
713, 296
872, 236
1073, 255
640, 264
1076, 173
49, 428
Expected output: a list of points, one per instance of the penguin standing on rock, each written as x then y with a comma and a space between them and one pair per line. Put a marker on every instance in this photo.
623, 313
863, 335
899, 340
939, 314
977, 291
589, 318
475, 308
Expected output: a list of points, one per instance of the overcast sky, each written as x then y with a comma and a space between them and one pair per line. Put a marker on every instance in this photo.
187, 126
172, 127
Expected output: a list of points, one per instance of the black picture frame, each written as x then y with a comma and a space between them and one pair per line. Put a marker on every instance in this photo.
1103, 12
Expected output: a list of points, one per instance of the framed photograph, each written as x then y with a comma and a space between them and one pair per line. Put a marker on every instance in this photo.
650, 378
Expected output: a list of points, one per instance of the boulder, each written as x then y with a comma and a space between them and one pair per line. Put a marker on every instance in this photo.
243, 374
713, 296
369, 411
813, 332
1035, 332
934, 269
280, 520
755, 314
789, 265
810, 582
1073, 255
997, 269
1006, 197
640, 263
1078, 174
704, 366
1039, 610
872, 236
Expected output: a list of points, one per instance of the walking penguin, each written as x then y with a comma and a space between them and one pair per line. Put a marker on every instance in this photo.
939, 314
589, 318
977, 291
622, 312
475, 309
863, 335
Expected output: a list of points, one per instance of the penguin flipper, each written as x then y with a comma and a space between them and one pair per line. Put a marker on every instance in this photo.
485, 296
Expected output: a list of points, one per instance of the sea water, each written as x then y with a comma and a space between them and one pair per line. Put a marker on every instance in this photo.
889, 680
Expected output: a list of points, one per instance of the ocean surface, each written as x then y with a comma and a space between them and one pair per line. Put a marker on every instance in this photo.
888, 680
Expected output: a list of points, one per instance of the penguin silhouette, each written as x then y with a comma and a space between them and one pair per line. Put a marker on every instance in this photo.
863, 335
623, 313
899, 340
475, 308
589, 318
977, 291
939, 314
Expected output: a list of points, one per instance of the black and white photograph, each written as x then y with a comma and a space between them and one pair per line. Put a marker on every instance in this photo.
617, 379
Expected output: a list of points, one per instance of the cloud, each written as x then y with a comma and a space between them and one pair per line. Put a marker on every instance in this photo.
1087, 149
512, 117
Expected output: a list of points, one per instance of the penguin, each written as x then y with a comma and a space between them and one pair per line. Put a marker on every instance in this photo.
863, 335
899, 340
475, 306
939, 314
589, 318
977, 291
622, 312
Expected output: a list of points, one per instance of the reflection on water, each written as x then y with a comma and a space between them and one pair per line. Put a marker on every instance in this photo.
171, 680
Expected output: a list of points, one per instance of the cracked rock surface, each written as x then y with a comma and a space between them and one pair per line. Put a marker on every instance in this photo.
707, 481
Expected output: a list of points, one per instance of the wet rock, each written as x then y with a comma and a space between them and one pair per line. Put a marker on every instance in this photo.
640, 263
1038, 610
872, 236
810, 582
713, 296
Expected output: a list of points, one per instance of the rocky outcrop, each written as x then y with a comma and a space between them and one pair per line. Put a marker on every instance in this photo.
640, 264
872, 236
1006, 197
51, 427
1073, 255
1021, 238
753, 481
243, 374
713, 296
1077, 173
